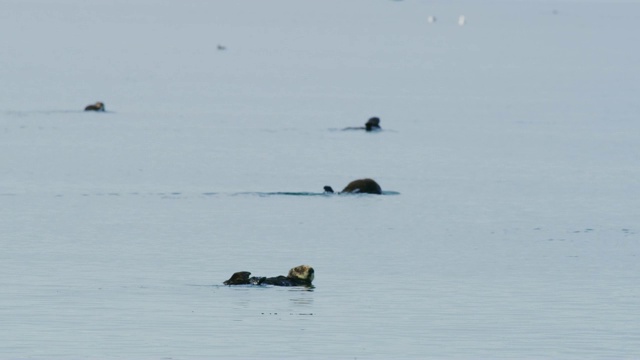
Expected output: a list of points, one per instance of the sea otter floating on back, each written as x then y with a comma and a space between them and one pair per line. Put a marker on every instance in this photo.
373, 124
95, 107
298, 276
361, 186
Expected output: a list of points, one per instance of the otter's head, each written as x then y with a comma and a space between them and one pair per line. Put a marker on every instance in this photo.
302, 272
100, 106
239, 278
372, 124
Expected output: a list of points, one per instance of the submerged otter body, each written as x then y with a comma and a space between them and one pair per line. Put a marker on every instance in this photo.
95, 107
361, 186
373, 124
298, 276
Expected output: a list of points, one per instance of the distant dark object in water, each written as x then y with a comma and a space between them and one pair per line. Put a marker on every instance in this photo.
373, 124
95, 107
361, 186
241, 277
298, 276
221, 47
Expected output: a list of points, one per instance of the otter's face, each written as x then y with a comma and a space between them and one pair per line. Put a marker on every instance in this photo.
100, 105
302, 272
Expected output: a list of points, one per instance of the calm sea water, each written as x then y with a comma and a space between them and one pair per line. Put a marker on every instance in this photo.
509, 227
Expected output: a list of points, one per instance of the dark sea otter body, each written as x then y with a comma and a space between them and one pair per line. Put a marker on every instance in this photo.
361, 186
373, 124
95, 107
298, 276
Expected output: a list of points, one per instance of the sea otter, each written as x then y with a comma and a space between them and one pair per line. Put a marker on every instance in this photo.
373, 124
361, 186
95, 107
298, 276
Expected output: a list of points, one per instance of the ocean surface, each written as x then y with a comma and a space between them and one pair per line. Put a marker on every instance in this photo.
509, 157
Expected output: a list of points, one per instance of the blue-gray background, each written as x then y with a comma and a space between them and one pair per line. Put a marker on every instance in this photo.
512, 142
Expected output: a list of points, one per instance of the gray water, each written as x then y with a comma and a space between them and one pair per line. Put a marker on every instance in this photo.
508, 157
